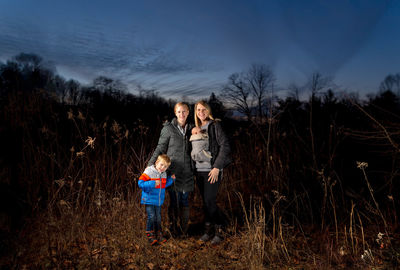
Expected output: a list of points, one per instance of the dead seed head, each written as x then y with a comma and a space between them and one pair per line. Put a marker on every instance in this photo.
367, 256
80, 116
44, 130
379, 237
63, 203
278, 196
115, 127
90, 141
70, 114
60, 182
362, 165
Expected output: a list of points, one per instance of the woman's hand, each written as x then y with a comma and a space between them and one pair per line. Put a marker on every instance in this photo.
213, 175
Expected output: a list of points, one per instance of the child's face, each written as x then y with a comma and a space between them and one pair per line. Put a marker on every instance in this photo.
161, 166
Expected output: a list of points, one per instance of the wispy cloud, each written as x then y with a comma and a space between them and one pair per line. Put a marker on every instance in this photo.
193, 46
331, 33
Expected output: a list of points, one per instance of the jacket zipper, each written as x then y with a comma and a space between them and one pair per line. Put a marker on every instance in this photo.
159, 192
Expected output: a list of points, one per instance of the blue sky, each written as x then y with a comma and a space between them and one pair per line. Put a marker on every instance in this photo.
189, 48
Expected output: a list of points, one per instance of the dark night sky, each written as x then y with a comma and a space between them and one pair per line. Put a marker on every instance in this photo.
184, 47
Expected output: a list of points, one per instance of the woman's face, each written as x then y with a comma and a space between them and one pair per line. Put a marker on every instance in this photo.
181, 113
202, 112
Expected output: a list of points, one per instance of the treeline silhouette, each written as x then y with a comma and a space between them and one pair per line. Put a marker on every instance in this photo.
309, 162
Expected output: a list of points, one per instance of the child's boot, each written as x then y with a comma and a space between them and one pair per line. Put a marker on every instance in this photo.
160, 237
151, 238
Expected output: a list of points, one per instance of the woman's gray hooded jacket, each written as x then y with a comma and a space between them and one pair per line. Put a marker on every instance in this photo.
177, 146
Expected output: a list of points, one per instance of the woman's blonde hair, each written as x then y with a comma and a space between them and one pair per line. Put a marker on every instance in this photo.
197, 121
165, 158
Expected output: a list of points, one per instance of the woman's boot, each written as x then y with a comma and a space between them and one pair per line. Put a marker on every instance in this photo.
218, 237
207, 232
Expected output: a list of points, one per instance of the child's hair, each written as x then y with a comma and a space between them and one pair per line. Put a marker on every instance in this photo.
165, 158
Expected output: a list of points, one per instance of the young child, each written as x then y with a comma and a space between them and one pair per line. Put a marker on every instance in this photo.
153, 182
200, 144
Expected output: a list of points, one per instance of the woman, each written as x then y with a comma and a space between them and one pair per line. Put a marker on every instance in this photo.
174, 141
209, 174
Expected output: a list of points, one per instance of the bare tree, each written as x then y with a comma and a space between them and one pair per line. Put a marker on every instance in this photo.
316, 84
294, 91
57, 84
73, 91
260, 79
247, 92
105, 84
236, 92
391, 83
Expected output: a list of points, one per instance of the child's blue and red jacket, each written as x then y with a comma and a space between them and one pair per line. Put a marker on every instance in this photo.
152, 194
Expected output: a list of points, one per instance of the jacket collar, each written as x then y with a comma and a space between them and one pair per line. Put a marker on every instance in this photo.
176, 124
154, 170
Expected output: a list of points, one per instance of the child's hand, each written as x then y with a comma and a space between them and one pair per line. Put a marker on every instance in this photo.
196, 130
157, 183
173, 176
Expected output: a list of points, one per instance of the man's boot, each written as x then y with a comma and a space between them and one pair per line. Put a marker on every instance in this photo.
184, 216
173, 220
